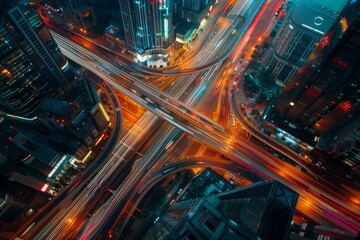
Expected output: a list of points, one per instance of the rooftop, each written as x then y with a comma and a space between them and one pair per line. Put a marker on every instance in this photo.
313, 16
54, 106
112, 29
184, 27
336, 5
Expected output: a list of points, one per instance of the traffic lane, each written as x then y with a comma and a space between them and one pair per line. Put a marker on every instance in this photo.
316, 171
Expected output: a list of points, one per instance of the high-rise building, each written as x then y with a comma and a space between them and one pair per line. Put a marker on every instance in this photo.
79, 15
305, 24
31, 64
346, 149
193, 11
266, 208
8, 205
49, 115
261, 210
328, 100
101, 7
147, 26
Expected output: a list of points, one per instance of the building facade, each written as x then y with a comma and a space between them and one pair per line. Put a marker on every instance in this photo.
304, 25
49, 115
328, 99
193, 11
261, 210
32, 65
79, 15
147, 26
346, 149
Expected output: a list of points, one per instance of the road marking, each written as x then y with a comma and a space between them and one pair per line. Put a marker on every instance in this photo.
117, 109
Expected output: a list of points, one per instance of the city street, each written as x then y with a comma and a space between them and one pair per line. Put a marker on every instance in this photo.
159, 106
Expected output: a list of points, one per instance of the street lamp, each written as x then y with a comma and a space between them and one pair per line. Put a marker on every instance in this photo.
292, 103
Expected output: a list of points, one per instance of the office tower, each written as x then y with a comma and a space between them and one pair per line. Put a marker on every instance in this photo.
49, 115
265, 208
37, 82
262, 210
31, 64
193, 11
177, 11
10, 204
305, 24
101, 8
79, 15
327, 100
83, 16
51, 10
24, 161
346, 148
147, 26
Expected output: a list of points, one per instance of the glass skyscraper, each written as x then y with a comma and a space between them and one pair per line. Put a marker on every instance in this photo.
328, 97
50, 113
262, 210
147, 25
305, 24
31, 64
